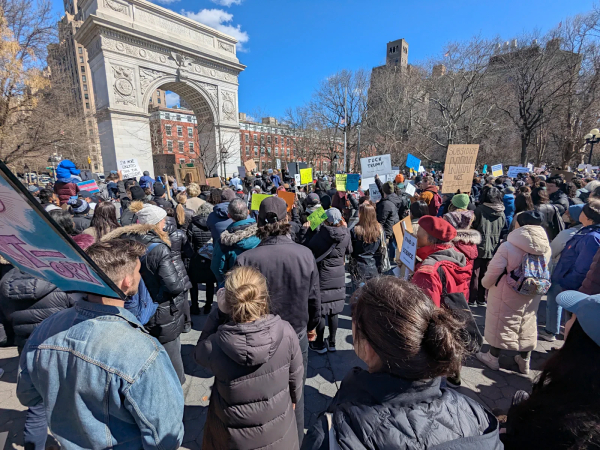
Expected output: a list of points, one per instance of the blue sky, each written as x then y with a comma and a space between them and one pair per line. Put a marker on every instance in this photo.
290, 46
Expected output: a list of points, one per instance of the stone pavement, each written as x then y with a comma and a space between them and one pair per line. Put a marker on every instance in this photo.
325, 373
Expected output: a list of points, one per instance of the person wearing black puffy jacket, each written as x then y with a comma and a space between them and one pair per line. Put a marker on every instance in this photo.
165, 279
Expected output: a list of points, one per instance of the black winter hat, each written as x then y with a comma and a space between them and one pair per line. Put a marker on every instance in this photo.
137, 193
529, 218
159, 189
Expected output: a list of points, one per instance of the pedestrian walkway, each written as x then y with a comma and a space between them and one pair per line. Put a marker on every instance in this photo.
325, 373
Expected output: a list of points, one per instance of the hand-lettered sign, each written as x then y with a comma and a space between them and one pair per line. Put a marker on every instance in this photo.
352, 182
459, 168
317, 218
129, 168
375, 165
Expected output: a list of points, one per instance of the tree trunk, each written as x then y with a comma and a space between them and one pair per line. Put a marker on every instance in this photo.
524, 151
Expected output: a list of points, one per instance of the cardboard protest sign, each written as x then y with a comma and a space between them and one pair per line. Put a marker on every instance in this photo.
289, 198
497, 170
306, 176
250, 165
459, 168
257, 200
340, 181
412, 162
374, 165
214, 182
89, 186
410, 189
129, 168
317, 218
352, 181
374, 193
399, 230
567, 175
408, 253
513, 171
242, 171
34, 243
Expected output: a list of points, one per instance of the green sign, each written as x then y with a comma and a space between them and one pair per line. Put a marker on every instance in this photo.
317, 218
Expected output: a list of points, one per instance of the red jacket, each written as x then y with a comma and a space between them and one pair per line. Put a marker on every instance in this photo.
65, 191
455, 267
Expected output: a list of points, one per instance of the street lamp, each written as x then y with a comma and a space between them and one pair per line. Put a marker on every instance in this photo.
592, 138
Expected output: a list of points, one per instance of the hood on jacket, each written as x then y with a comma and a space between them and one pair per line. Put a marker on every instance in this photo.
494, 207
136, 206
467, 237
336, 234
433, 189
443, 253
200, 222
251, 344
221, 210
238, 232
531, 239
170, 225
136, 229
17, 285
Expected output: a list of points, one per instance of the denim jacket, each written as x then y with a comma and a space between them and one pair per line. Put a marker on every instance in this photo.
103, 380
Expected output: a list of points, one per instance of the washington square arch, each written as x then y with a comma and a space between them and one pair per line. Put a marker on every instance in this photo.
136, 47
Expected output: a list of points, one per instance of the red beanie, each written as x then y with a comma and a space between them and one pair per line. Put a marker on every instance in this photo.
438, 228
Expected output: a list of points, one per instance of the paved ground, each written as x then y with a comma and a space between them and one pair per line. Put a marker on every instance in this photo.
325, 373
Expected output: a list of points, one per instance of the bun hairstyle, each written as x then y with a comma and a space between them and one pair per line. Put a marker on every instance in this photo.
414, 339
246, 294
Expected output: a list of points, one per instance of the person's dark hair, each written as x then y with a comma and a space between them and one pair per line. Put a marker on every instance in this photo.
525, 190
280, 228
45, 196
523, 202
417, 340
539, 196
205, 188
491, 194
570, 189
419, 209
215, 196
170, 212
105, 219
592, 210
557, 180
116, 257
578, 182
128, 183
596, 193
148, 191
562, 411
498, 181
237, 209
65, 220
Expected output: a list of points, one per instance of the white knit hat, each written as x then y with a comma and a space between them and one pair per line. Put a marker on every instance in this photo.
151, 215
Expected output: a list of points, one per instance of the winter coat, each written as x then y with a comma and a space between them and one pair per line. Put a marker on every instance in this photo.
433, 199
560, 199
66, 169
236, 239
559, 243
25, 301
178, 240
489, 221
576, 259
591, 284
258, 376
332, 272
82, 222
65, 191
218, 221
511, 318
129, 215
292, 279
466, 242
387, 214
163, 202
453, 263
383, 411
199, 235
509, 209
146, 181
365, 260
304, 235
551, 219
165, 279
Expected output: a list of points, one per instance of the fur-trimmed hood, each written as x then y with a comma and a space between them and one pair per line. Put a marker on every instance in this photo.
468, 237
238, 231
136, 206
137, 229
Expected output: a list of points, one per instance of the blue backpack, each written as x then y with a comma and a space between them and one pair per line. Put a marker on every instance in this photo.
141, 304
532, 277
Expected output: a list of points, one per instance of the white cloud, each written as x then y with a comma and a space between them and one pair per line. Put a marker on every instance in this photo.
227, 3
164, 2
220, 20
172, 99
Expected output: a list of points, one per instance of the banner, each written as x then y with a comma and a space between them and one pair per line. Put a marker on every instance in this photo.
257, 200
374, 193
306, 176
374, 165
130, 168
412, 162
34, 243
340, 181
89, 185
497, 170
352, 182
513, 171
317, 218
250, 165
459, 168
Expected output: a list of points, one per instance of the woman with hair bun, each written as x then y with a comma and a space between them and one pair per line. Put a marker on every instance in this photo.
256, 359
398, 402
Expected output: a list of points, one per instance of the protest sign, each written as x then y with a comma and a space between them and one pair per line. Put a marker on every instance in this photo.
581, 166
306, 176
399, 230
289, 198
513, 171
257, 200
241, 171
412, 162
340, 181
497, 170
484, 171
530, 167
410, 189
163, 164
459, 168
297, 179
317, 218
374, 193
33, 242
421, 169
250, 165
352, 182
89, 186
374, 165
278, 163
409, 250
214, 182
366, 182
567, 175
129, 168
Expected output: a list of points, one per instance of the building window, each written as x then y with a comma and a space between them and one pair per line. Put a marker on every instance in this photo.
269, 150
277, 139
158, 92
190, 132
276, 151
84, 79
180, 131
170, 146
255, 151
255, 139
268, 139
262, 139
86, 96
158, 100
262, 150
168, 130
288, 153
181, 144
191, 147
167, 116
87, 106
80, 50
247, 137
287, 141
247, 150
178, 117
82, 69
189, 118
81, 60
181, 160
85, 88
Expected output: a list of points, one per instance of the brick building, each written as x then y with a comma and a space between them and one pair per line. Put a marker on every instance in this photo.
174, 131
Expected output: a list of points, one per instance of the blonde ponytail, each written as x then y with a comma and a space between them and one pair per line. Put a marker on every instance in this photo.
180, 209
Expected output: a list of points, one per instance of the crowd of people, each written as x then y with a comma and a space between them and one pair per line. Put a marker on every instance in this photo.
102, 372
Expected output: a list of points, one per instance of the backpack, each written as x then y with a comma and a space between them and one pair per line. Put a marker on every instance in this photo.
532, 277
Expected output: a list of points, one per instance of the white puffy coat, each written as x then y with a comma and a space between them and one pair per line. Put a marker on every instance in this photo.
510, 321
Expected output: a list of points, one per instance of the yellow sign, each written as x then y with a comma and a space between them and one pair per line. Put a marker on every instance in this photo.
257, 200
306, 176
340, 181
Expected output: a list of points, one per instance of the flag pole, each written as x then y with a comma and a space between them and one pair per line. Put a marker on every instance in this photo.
345, 124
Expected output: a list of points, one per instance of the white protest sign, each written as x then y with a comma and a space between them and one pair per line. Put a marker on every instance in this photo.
374, 193
278, 161
366, 182
297, 179
374, 165
513, 171
409, 250
129, 168
411, 189
581, 166
421, 169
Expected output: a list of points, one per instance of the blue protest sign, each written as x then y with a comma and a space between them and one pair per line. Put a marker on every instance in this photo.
352, 182
412, 162
484, 171
34, 243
